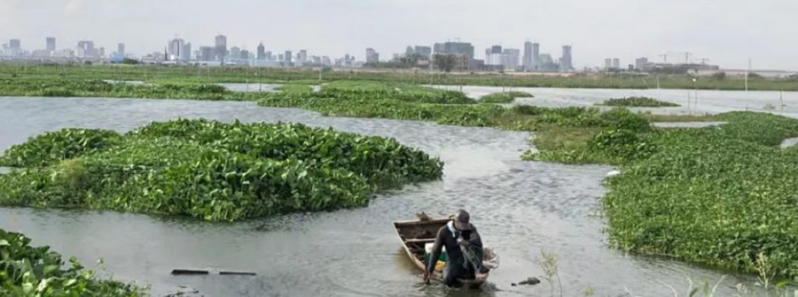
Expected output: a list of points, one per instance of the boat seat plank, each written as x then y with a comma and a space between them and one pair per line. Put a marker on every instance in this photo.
419, 240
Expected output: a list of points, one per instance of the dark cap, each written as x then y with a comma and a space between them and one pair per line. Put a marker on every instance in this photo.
461, 218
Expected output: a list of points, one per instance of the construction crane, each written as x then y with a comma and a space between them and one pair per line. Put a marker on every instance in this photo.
703, 60
686, 56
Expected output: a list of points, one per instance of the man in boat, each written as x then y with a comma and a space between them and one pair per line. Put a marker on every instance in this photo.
463, 250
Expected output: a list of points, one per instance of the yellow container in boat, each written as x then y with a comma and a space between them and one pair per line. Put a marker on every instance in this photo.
428, 250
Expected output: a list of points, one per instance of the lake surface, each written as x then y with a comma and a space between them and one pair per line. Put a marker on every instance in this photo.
254, 87
709, 101
519, 207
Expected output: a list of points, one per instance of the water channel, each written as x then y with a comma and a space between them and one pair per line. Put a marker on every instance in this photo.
519, 207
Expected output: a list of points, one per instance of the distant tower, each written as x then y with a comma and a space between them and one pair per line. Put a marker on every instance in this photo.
51, 44
566, 61
185, 52
288, 56
616, 63
528, 59
221, 47
372, 56
261, 52
120, 50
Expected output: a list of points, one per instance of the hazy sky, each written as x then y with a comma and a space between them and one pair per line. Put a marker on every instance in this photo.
727, 32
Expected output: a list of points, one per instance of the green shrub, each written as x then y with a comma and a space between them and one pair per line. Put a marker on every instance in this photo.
638, 102
211, 170
37, 271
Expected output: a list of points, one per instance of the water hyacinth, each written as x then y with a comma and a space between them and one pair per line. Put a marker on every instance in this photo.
211, 170
37, 271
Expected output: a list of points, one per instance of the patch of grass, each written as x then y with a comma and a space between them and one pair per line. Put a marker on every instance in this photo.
503, 97
678, 118
638, 102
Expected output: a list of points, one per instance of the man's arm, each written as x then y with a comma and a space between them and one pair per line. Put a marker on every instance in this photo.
475, 239
436, 251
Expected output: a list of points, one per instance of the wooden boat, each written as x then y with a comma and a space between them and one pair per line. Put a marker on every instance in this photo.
415, 234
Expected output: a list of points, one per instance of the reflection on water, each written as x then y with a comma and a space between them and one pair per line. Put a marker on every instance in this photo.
789, 142
520, 208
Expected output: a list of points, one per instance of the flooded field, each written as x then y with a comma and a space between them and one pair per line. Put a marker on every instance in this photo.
709, 101
519, 207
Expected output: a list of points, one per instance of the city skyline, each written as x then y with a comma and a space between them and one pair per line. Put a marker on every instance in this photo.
716, 30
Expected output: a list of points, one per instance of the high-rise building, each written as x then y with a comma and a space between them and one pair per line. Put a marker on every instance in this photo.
245, 54
326, 61
302, 57
51, 44
281, 57
372, 56
455, 48
463, 51
235, 52
261, 52
496, 49
86, 49
423, 51
510, 59
102, 52
207, 53
269, 56
175, 49
616, 63
566, 61
220, 49
536, 61
607, 63
15, 46
641, 63
120, 50
288, 56
528, 60
185, 52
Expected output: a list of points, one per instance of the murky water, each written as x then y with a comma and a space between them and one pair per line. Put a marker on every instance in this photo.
520, 208
709, 101
255, 87
789, 142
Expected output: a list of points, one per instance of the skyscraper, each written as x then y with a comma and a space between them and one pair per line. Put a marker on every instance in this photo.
510, 59
261, 52
607, 63
302, 57
207, 53
185, 52
86, 49
528, 56
15, 45
566, 61
245, 54
288, 56
372, 56
235, 52
174, 46
120, 50
496, 49
616, 63
536, 61
51, 44
220, 50
641, 63
423, 51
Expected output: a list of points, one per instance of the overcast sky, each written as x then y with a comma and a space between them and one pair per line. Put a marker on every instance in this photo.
727, 32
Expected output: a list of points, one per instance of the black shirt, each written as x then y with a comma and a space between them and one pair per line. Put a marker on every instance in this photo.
453, 252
